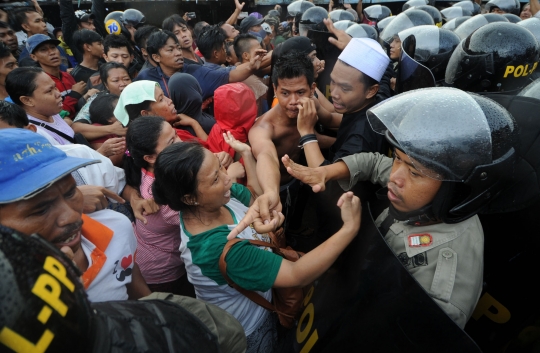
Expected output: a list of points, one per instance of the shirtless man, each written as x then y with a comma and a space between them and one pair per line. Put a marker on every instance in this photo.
275, 133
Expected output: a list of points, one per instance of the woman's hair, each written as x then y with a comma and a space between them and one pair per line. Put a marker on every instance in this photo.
134, 110
105, 68
22, 82
141, 140
102, 108
176, 170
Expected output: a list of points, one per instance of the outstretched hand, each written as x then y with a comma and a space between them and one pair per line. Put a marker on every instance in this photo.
342, 38
265, 215
237, 146
314, 177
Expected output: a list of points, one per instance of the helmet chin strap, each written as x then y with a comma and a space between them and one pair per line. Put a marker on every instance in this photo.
421, 217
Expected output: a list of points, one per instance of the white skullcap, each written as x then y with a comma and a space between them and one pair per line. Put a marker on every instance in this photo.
367, 56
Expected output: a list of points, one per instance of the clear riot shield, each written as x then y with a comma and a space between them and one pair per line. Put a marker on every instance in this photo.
368, 302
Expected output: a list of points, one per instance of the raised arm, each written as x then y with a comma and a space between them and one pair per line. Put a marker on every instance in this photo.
239, 6
243, 71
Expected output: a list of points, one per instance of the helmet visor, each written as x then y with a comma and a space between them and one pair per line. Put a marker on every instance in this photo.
443, 131
412, 74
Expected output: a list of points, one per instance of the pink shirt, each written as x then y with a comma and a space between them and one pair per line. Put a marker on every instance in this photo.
158, 242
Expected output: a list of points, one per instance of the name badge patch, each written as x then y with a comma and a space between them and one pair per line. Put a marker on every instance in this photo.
420, 240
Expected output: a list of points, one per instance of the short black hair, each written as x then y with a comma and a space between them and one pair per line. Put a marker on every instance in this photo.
292, 65
115, 41
4, 25
169, 23
4, 51
102, 108
197, 29
20, 17
242, 43
158, 40
85, 36
134, 110
142, 34
211, 38
13, 115
105, 68
366, 80
22, 82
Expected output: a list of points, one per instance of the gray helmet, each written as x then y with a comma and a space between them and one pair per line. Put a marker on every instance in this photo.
312, 19
340, 15
459, 9
433, 12
343, 25
382, 24
413, 3
423, 49
133, 17
508, 6
376, 13
470, 144
404, 20
472, 24
499, 57
512, 18
455, 23
298, 7
362, 31
531, 90
533, 25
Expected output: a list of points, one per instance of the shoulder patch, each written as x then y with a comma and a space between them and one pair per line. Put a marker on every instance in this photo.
420, 240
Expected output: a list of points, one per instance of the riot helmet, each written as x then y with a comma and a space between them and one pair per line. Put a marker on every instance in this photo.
455, 23
114, 23
312, 19
413, 3
340, 15
498, 57
470, 6
134, 18
512, 18
382, 24
376, 13
472, 24
507, 6
42, 296
469, 144
362, 31
298, 7
404, 20
343, 25
425, 52
433, 12
532, 90
533, 25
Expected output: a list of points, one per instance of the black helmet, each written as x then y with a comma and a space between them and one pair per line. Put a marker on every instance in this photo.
462, 8
114, 23
508, 6
531, 90
498, 57
274, 13
413, 3
404, 20
340, 15
382, 24
298, 7
42, 297
512, 18
376, 13
470, 144
432, 10
425, 52
312, 19
472, 24
343, 25
133, 17
533, 25
455, 23
362, 31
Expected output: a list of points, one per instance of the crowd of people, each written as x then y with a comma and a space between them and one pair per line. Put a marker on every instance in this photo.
140, 151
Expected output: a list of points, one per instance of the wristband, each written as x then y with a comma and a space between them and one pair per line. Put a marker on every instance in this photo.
306, 138
305, 143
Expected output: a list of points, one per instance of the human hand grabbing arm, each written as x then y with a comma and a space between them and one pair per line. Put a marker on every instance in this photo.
96, 197
113, 146
250, 164
265, 215
79, 87
194, 124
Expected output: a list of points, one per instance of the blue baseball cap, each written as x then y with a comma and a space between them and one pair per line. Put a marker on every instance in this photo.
29, 164
37, 39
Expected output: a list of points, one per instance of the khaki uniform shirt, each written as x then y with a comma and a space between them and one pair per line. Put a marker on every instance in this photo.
448, 263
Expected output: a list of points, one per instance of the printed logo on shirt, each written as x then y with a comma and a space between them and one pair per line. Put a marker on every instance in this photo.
415, 261
124, 270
